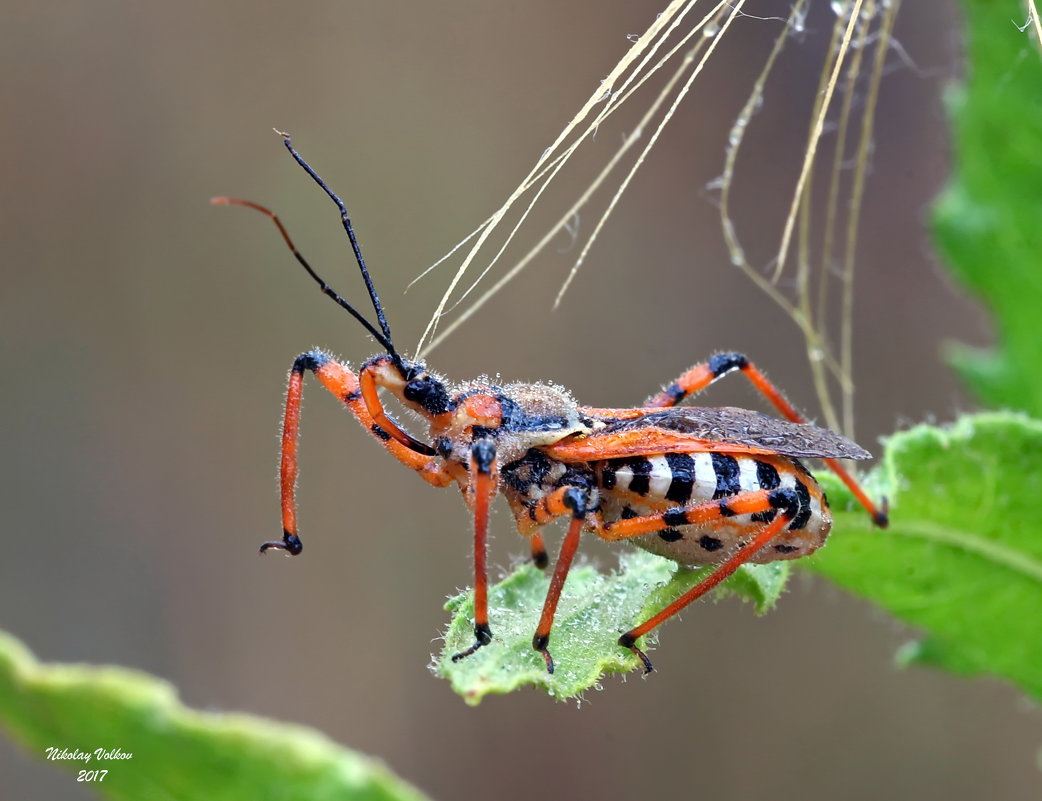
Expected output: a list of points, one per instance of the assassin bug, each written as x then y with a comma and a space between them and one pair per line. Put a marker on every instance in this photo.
701, 486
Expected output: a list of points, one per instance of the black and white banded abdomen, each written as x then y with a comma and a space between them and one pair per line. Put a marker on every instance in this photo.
644, 485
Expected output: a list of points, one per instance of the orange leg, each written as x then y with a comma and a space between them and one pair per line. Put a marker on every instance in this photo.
706, 513
740, 557
483, 485
572, 501
528, 528
702, 375
539, 557
342, 383
562, 501
368, 383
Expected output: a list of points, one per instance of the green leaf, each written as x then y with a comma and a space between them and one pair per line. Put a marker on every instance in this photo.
177, 753
962, 559
594, 610
987, 222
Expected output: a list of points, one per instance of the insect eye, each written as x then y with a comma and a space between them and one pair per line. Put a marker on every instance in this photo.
417, 389
429, 393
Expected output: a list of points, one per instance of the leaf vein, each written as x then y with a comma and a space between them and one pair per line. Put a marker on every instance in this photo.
975, 544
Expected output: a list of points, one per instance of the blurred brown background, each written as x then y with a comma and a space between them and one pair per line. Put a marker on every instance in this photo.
147, 337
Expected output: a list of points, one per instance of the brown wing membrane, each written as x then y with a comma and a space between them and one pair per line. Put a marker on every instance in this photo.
695, 428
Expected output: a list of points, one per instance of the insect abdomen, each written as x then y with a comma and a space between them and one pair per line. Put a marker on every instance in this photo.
646, 485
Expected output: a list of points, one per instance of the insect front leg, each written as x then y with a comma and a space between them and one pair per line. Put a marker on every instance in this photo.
528, 527
483, 485
377, 371
342, 383
702, 375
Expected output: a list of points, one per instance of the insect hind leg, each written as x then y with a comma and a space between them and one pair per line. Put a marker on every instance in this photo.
787, 503
706, 513
705, 373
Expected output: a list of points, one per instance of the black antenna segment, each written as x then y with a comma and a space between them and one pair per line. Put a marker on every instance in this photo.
383, 334
326, 289
346, 221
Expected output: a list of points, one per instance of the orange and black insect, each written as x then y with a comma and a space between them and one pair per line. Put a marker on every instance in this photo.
702, 486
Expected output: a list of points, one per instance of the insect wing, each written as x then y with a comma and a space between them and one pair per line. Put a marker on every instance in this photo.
691, 429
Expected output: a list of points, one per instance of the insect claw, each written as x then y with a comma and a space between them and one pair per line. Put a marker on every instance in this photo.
290, 543
539, 642
648, 667
484, 636
627, 641
464, 654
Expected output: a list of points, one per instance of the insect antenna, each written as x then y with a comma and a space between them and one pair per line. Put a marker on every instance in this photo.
326, 289
383, 336
386, 340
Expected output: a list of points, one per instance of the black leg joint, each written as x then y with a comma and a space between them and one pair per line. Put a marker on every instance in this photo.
882, 517
726, 362
540, 560
378, 359
674, 517
627, 640
484, 453
785, 500
675, 393
312, 360
575, 499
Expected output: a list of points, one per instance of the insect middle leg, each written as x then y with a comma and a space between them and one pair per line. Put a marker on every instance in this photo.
567, 500
539, 557
702, 375
342, 383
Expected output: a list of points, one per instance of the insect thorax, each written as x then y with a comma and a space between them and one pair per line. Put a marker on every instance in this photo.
515, 417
